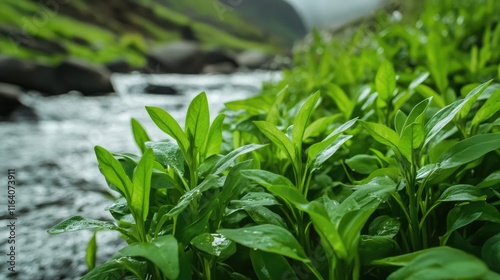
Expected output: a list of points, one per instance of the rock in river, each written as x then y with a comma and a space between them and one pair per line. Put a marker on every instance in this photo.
9, 99
253, 59
89, 79
69, 75
184, 57
29, 75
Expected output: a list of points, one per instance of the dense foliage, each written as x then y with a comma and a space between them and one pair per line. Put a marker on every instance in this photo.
389, 170
105, 31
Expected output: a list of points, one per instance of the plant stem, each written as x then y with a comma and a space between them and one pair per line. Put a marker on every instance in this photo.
207, 268
314, 271
413, 224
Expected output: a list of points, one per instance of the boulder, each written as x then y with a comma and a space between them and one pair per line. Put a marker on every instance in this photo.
184, 57
219, 56
254, 59
10, 96
222, 68
89, 79
69, 75
160, 89
29, 75
119, 66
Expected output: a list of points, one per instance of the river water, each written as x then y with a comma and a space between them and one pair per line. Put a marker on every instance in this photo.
56, 170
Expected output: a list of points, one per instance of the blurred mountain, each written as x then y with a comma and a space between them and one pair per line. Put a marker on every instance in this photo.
277, 17
334, 13
105, 31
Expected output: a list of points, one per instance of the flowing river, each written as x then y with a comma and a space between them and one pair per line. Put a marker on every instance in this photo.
56, 170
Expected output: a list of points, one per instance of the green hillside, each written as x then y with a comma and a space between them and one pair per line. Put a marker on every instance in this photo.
104, 31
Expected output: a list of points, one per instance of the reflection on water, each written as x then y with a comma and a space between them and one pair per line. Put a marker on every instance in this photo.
56, 167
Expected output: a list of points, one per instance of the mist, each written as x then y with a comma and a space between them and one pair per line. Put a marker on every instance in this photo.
332, 13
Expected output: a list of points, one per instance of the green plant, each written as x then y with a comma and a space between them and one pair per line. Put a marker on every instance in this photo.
389, 170
171, 193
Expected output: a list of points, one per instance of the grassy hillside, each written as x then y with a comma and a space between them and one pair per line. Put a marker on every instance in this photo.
103, 31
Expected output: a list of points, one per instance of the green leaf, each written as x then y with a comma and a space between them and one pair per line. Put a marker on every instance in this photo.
491, 252
76, 223
448, 113
325, 228
386, 136
140, 135
469, 150
199, 225
437, 57
214, 139
268, 238
235, 182
270, 266
412, 137
363, 164
343, 102
399, 121
490, 214
436, 264
91, 252
163, 180
326, 153
391, 172
163, 252
376, 247
209, 183
207, 166
142, 185
198, 121
315, 149
226, 161
214, 244
119, 208
419, 80
169, 125
489, 108
460, 216
384, 226
256, 105
274, 113
385, 81
113, 171
352, 214
320, 125
461, 193
168, 154
266, 178
114, 269
428, 92
491, 181
417, 114
302, 118
255, 199
262, 215
278, 138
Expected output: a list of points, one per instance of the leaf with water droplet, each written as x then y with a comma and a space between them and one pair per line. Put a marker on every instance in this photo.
271, 266
208, 183
163, 252
384, 226
168, 154
268, 238
113, 269
214, 244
